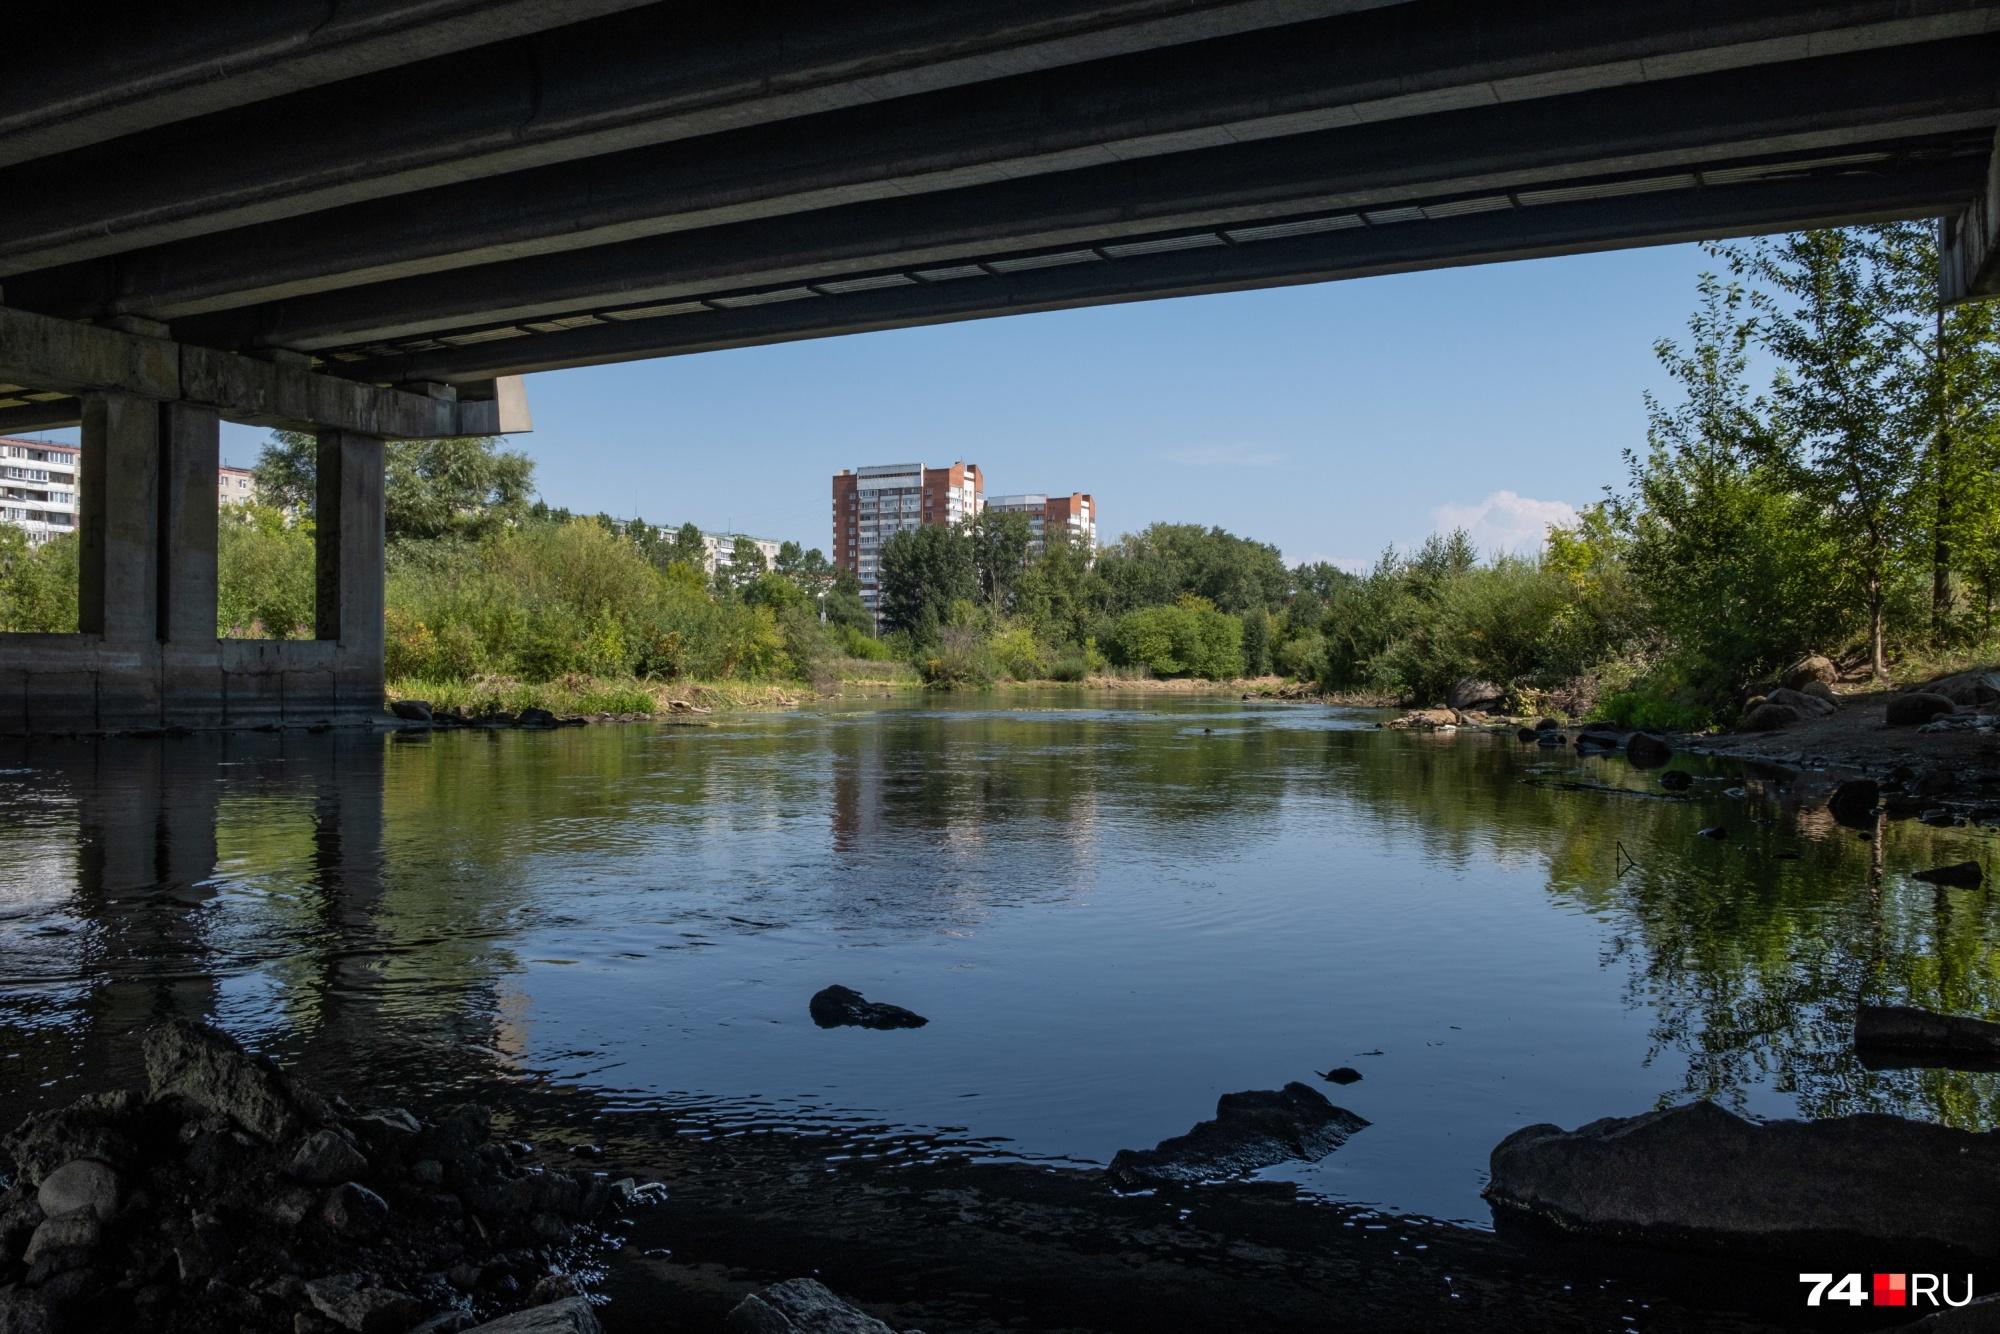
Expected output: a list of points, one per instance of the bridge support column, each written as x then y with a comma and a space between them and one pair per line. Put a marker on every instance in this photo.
351, 539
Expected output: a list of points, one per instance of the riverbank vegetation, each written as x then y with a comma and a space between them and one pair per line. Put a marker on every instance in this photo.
1823, 476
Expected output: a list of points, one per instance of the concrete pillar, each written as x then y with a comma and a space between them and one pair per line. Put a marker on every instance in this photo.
190, 450
119, 518
348, 606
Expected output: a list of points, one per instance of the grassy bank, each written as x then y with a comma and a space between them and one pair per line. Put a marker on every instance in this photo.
593, 695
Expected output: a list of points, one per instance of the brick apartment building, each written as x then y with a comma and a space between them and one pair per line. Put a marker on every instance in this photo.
1074, 514
871, 505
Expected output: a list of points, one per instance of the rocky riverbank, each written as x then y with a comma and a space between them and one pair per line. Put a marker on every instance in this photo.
228, 1196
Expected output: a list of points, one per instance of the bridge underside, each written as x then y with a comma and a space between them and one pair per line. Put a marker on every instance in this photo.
426, 196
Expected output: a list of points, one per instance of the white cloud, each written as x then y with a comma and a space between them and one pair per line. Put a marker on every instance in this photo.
1225, 456
1505, 521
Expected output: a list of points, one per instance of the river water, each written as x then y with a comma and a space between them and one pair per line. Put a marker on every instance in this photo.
1111, 909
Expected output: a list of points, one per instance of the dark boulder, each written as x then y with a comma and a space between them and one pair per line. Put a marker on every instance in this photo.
412, 710
1853, 802
1547, 725
1912, 708
1549, 740
1602, 737
1469, 694
1699, 1174
1250, 1130
1904, 1028
195, 1062
1714, 831
1526, 734
1806, 706
843, 1007
353, 1210
353, 1303
1809, 669
532, 717
800, 1306
1958, 875
1676, 780
1647, 751
1341, 1074
85, 1184
1764, 716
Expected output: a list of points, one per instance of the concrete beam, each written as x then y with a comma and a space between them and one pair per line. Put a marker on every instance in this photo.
1917, 191
60, 355
1358, 71
1717, 120
626, 81
161, 64
1969, 252
49, 415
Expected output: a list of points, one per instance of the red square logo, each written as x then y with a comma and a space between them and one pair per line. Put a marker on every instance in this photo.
1892, 1289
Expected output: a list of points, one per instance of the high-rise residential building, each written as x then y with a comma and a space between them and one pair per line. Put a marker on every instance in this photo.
234, 486
719, 549
872, 505
1074, 514
38, 487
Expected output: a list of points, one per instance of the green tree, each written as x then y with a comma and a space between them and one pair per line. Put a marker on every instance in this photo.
843, 606
921, 573
746, 562
1000, 541
688, 548
1848, 431
432, 488
38, 584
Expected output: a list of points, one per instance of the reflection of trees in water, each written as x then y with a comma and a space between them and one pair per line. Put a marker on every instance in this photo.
1749, 964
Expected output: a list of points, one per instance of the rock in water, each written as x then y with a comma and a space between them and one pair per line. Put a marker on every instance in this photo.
412, 710
1958, 875
571, 1315
838, 1007
1250, 1130
1906, 1029
800, 1306
1853, 802
1647, 751
1697, 1173
532, 717
1676, 780
1913, 708
1341, 1074
195, 1062
1469, 694
1602, 737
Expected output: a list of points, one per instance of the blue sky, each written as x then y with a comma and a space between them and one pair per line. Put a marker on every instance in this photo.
1329, 420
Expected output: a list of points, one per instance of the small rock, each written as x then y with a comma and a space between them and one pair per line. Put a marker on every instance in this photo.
1341, 1074
1806, 706
1526, 734
83, 1184
1819, 690
78, 1231
1549, 740
1547, 725
590, 1151
412, 710
1602, 737
1958, 875
1676, 780
1714, 831
800, 1306
427, 1171
353, 1210
532, 717
1937, 817
352, 1303
324, 1157
1914, 707
837, 1006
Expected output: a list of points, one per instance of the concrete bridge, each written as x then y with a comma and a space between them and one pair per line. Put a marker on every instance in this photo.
361, 218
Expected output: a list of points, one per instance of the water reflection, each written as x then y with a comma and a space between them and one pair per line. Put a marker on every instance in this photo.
1110, 914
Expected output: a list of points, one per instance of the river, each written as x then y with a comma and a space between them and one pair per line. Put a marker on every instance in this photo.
1111, 909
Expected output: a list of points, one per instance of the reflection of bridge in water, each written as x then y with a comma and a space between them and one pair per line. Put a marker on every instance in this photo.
365, 222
